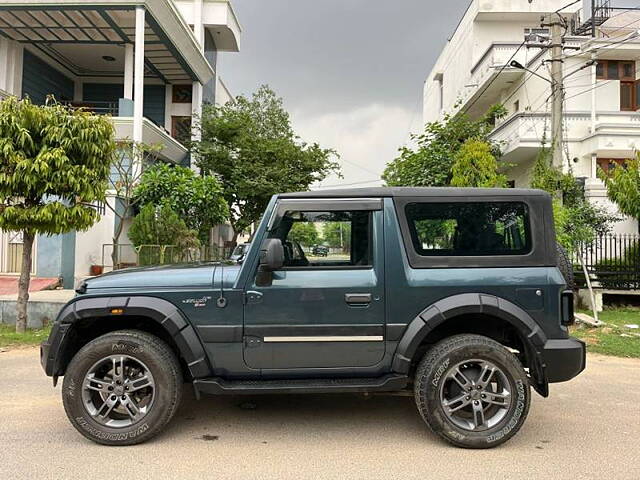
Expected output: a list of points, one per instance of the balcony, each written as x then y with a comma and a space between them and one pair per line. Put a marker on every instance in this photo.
612, 135
488, 72
152, 134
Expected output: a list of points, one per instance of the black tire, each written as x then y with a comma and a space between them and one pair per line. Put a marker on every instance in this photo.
135, 346
433, 377
566, 267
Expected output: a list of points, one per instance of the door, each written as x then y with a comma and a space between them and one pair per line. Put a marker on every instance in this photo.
325, 308
627, 96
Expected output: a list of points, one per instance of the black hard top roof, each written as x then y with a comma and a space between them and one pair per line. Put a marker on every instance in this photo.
377, 192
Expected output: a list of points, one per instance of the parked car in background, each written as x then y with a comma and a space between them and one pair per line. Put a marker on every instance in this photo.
239, 252
320, 250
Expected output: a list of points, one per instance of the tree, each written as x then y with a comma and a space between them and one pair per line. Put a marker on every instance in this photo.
475, 166
623, 187
305, 233
577, 221
250, 144
337, 235
161, 225
431, 163
126, 171
198, 200
54, 164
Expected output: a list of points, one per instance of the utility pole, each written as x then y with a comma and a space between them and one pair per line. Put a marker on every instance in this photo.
555, 22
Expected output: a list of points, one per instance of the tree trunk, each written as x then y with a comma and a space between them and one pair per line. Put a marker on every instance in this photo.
25, 279
234, 240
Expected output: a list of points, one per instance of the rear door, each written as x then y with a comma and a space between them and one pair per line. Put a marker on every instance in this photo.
325, 308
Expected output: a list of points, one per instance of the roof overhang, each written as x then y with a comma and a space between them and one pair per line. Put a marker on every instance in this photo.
219, 19
171, 50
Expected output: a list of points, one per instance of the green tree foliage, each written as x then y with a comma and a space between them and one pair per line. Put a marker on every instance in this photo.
250, 144
623, 187
431, 163
198, 200
54, 163
576, 219
305, 233
475, 165
337, 235
161, 225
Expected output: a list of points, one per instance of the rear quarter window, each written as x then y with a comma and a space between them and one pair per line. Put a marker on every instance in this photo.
469, 228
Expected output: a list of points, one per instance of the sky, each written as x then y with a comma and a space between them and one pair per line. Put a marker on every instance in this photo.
351, 72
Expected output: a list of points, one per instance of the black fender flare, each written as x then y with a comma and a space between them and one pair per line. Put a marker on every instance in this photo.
165, 313
464, 304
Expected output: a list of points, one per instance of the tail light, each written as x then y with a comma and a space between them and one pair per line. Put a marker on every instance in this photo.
566, 308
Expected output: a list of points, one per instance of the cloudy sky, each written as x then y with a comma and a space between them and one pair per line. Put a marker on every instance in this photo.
350, 71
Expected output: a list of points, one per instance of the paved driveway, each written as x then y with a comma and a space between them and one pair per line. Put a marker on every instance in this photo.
588, 428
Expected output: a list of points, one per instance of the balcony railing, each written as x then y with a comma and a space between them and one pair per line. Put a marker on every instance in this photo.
97, 107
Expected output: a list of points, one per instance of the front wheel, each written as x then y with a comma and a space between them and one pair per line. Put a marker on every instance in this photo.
122, 388
472, 391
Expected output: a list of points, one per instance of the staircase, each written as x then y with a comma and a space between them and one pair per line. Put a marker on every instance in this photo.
600, 13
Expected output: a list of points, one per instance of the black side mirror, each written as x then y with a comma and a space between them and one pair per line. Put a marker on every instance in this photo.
271, 259
271, 255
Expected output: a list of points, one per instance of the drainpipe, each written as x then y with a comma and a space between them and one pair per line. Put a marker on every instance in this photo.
594, 81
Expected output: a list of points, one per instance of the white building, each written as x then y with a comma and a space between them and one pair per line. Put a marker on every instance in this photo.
601, 122
150, 64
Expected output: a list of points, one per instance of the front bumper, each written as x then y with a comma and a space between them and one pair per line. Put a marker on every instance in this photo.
563, 359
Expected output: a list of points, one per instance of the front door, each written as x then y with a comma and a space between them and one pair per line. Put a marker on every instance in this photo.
325, 308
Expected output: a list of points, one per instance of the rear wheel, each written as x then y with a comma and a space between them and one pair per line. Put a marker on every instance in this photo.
122, 388
472, 391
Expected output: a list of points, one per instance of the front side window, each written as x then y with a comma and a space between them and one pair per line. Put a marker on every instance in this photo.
469, 229
326, 239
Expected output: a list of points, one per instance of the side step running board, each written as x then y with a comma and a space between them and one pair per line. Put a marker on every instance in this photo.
219, 386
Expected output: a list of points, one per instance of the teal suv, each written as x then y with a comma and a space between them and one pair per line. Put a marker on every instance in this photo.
459, 295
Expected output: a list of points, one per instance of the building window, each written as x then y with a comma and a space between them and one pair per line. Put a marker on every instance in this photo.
181, 129
608, 164
627, 96
536, 34
616, 70
182, 93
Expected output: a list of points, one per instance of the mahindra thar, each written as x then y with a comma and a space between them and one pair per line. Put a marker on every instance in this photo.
458, 295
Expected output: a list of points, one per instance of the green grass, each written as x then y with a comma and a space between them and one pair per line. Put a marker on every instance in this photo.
613, 338
9, 337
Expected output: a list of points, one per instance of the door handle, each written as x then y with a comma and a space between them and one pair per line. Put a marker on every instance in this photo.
357, 298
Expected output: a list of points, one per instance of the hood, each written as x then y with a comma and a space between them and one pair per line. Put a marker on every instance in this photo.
166, 276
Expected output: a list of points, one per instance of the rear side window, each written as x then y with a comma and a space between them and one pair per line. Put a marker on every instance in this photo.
469, 229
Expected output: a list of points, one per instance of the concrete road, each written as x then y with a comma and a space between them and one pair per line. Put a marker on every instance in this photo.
588, 428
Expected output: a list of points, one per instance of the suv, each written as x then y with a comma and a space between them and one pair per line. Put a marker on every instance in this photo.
455, 294
320, 251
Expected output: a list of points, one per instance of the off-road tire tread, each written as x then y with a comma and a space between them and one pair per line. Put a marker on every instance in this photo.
165, 356
565, 266
432, 356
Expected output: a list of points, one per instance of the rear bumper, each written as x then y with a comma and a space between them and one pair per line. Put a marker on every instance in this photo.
563, 359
